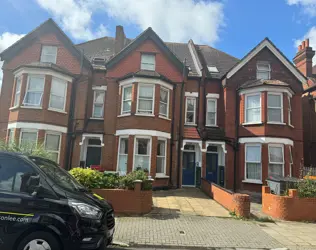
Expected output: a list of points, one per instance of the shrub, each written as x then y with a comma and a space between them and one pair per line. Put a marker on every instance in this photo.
128, 180
307, 188
88, 178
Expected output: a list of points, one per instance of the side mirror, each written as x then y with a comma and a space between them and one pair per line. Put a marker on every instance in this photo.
33, 184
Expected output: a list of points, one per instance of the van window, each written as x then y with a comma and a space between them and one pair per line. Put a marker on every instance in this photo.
14, 174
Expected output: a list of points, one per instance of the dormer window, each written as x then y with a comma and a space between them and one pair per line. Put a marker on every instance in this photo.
147, 62
212, 69
49, 54
263, 70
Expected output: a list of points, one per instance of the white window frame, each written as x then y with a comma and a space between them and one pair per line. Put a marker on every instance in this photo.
150, 150
245, 177
118, 153
263, 71
11, 136
26, 91
215, 100
291, 160
43, 51
59, 146
268, 107
65, 95
289, 111
165, 156
141, 61
94, 103
153, 99
16, 101
122, 101
168, 95
28, 131
186, 110
246, 108
280, 146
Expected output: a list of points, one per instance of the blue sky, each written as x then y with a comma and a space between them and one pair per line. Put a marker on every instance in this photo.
234, 26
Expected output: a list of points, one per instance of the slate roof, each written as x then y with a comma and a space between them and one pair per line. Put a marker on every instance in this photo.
260, 82
314, 70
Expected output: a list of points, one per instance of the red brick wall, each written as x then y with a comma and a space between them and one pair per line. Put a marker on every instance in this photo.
234, 202
288, 207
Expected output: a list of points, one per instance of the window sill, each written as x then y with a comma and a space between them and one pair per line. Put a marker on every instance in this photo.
97, 118
13, 108
150, 115
57, 110
253, 181
252, 123
30, 107
166, 118
276, 123
122, 115
189, 124
162, 176
291, 125
211, 126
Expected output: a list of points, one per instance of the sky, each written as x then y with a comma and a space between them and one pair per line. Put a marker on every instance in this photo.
233, 26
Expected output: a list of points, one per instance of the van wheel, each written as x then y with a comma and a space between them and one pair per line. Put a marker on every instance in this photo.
39, 241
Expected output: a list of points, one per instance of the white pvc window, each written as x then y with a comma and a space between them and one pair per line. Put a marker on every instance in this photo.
17, 91
161, 157
263, 70
98, 104
253, 108
289, 110
142, 153
34, 91
122, 156
126, 99
52, 145
276, 161
28, 139
164, 102
291, 161
211, 113
49, 54
57, 99
253, 168
11, 136
190, 109
275, 107
145, 102
147, 62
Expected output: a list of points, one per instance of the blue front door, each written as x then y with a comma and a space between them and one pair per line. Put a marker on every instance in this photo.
188, 169
211, 167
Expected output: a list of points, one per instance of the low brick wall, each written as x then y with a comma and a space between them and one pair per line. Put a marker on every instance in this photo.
289, 207
234, 202
134, 201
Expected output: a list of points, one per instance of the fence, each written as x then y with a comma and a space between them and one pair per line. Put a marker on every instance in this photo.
309, 171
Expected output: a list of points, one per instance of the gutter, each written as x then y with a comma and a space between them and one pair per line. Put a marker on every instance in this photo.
172, 134
236, 145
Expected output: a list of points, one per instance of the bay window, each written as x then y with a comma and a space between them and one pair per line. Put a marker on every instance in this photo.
275, 107
17, 92
263, 70
142, 153
190, 109
211, 112
276, 161
34, 91
28, 138
49, 54
126, 99
253, 108
289, 110
147, 62
52, 145
164, 102
98, 104
145, 102
253, 162
161, 157
57, 99
122, 156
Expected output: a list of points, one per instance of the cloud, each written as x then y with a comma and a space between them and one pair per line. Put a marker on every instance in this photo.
176, 20
75, 17
309, 6
7, 39
311, 34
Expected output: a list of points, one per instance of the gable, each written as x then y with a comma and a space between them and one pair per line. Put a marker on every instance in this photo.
266, 43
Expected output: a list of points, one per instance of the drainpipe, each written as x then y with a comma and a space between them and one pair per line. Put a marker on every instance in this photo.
172, 136
235, 147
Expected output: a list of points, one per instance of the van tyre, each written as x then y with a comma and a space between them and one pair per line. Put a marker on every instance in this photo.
39, 241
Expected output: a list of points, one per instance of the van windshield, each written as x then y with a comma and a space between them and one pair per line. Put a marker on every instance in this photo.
60, 176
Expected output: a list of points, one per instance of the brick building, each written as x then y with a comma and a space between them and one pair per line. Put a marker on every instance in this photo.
180, 110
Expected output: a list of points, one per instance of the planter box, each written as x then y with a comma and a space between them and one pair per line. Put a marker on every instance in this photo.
290, 207
124, 201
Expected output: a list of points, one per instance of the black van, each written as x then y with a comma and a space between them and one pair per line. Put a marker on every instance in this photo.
43, 207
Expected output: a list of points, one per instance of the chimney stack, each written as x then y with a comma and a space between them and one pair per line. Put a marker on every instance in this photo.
119, 39
304, 58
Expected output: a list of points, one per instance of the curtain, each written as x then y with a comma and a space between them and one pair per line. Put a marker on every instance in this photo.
58, 87
127, 95
99, 97
122, 165
127, 106
124, 146
146, 92
28, 138
253, 153
141, 161
274, 101
145, 106
163, 95
274, 115
160, 168
275, 170
253, 171
276, 155
52, 142
163, 109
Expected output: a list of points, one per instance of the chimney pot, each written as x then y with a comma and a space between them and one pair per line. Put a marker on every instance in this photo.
304, 44
307, 42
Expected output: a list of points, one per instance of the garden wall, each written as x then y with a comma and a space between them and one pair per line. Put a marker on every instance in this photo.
289, 207
234, 202
124, 201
